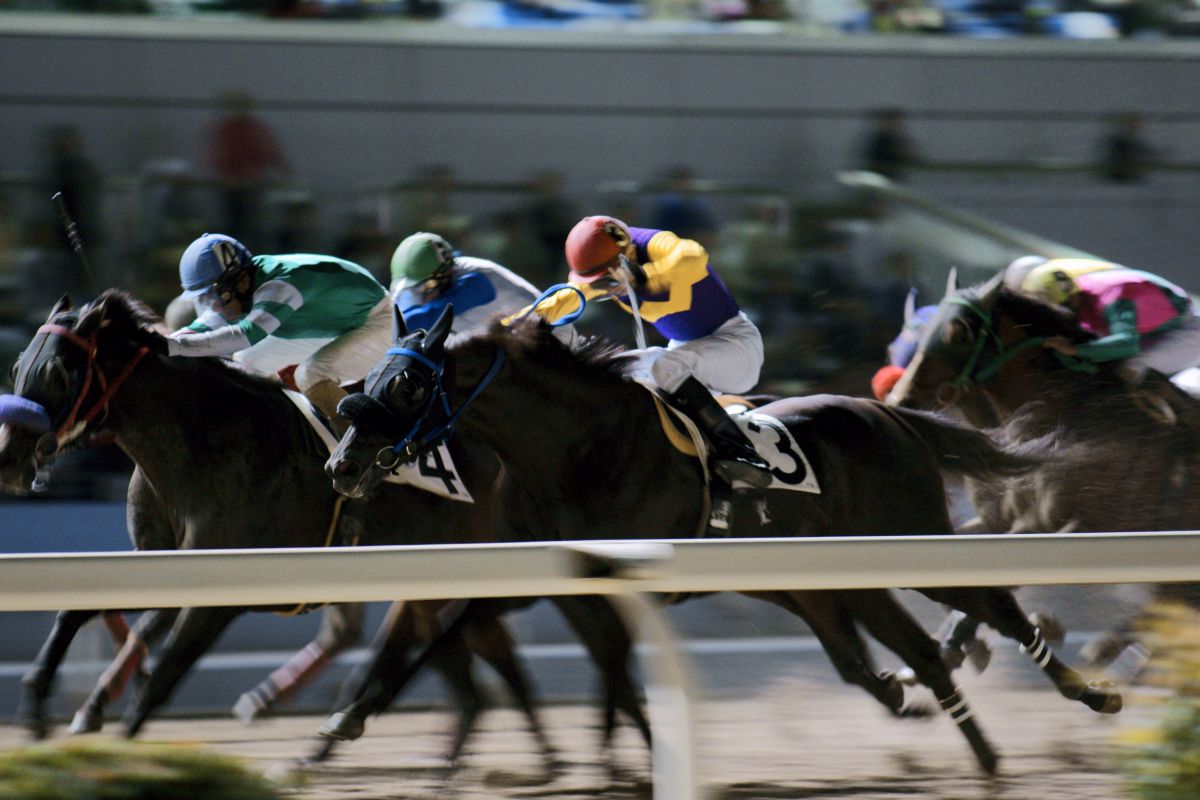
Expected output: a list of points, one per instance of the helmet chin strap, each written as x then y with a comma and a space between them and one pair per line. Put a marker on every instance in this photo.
639, 332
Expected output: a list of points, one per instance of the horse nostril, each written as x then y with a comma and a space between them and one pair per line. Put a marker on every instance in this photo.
344, 468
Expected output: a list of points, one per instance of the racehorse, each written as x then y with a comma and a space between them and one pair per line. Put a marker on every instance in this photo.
1125, 456
583, 447
224, 459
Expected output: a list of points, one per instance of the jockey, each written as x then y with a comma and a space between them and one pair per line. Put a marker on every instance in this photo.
1138, 318
326, 315
428, 275
669, 282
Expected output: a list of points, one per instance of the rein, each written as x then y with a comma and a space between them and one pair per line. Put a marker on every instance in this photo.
409, 445
107, 388
972, 372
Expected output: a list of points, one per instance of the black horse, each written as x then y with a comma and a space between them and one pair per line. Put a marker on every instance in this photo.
1124, 456
224, 459
585, 456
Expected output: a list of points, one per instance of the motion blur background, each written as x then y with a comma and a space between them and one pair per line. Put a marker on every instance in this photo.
830, 153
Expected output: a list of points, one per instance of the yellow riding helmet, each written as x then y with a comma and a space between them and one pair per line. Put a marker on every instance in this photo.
1050, 283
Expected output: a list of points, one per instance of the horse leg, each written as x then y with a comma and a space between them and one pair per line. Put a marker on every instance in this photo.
39, 679
962, 639
129, 659
492, 641
998, 608
389, 670
454, 662
196, 630
341, 628
895, 628
603, 633
826, 616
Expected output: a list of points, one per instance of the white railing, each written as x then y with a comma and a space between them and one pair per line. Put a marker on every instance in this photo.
628, 570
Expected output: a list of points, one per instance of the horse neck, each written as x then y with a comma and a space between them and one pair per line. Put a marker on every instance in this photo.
592, 447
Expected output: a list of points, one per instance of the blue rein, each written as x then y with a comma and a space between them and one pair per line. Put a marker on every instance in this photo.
408, 445
553, 290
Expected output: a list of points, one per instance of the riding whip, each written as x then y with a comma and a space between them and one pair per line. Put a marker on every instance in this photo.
75, 239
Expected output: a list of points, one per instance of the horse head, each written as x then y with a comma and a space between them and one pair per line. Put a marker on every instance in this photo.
955, 350
64, 379
402, 411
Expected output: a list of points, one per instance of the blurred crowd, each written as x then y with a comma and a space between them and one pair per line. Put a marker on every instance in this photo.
826, 294
1073, 19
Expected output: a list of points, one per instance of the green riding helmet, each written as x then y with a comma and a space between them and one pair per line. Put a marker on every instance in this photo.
419, 258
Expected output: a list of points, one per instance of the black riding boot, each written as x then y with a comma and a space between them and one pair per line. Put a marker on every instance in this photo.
733, 455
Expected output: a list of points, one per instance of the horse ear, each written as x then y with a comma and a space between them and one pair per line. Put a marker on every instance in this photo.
991, 290
910, 305
952, 281
399, 328
436, 337
63, 304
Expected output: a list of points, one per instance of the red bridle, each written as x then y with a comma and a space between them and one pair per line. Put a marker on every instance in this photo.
107, 388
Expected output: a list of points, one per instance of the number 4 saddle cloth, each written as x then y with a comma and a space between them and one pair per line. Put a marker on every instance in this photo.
790, 468
433, 472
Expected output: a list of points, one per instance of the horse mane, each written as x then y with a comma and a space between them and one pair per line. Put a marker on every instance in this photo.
123, 306
1045, 319
534, 341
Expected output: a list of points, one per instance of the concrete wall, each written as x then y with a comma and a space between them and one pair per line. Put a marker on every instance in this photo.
362, 105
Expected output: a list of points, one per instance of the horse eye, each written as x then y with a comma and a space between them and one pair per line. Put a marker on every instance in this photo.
957, 333
418, 393
398, 390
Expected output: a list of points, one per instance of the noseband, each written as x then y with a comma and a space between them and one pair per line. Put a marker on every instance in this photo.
423, 434
75, 423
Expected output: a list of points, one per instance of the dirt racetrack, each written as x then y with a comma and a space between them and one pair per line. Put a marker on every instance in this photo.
795, 737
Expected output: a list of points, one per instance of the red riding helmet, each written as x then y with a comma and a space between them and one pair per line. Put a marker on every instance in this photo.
593, 246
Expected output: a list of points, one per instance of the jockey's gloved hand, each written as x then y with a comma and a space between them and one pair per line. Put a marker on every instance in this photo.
156, 343
629, 272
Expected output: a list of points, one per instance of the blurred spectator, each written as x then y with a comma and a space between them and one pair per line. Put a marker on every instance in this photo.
1125, 157
513, 241
297, 231
429, 206
549, 217
679, 210
889, 150
364, 243
245, 156
10, 280
69, 171
47, 270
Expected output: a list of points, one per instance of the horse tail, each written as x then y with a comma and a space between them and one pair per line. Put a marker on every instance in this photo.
962, 450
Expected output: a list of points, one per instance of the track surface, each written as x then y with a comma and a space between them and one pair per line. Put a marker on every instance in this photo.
791, 737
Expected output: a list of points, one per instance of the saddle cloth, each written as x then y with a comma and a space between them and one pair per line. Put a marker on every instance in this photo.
433, 472
790, 468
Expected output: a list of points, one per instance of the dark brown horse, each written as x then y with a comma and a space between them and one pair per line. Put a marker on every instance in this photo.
223, 459
585, 455
1125, 457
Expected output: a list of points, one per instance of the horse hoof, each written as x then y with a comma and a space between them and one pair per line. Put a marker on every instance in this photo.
86, 720
952, 655
1102, 698
906, 676
38, 728
979, 653
893, 693
248, 708
342, 727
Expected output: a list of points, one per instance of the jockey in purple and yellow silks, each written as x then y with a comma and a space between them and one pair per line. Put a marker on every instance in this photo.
1138, 318
670, 283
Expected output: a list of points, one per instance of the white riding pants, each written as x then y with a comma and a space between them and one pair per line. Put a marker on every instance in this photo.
1170, 352
727, 360
340, 359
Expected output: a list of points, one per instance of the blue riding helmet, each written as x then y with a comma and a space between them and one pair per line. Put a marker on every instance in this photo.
207, 259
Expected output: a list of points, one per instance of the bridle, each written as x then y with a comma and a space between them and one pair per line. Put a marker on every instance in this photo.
76, 420
435, 421
977, 370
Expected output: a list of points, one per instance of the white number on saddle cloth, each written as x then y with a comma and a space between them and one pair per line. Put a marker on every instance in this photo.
790, 469
433, 472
